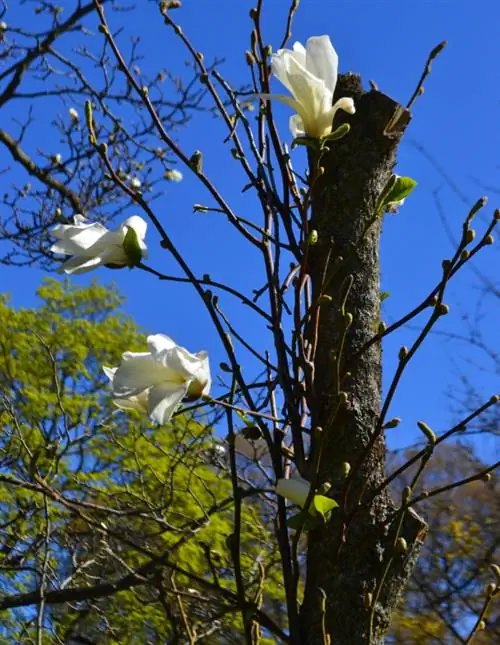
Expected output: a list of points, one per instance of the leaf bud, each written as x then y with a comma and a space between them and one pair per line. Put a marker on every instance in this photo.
348, 318
368, 600
345, 469
382, 327
489, 239
403, 353
446, 264
196, 161
495, 399
429, 433
496, 570
470, 234
312, 238
490, 589
393, 423
249, 57
406, 494
465, 255
481, 626
342, 398
204, 78
487, 477
443, 309
401, 545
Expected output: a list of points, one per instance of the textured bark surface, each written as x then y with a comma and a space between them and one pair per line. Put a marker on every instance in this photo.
347, 557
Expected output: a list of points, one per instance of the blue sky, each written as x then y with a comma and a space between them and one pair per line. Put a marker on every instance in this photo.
455, 122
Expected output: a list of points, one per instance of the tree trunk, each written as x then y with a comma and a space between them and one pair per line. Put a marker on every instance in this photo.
348, 556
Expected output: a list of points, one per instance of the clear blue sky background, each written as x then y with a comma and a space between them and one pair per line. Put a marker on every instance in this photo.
456, 122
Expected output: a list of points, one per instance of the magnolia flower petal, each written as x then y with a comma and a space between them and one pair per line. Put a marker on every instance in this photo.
75, 239
137, 374
299, 53
311, 94
164, 399
158, 344
110, 372
193, 367
322, 60
126, 356
294, 489
296, 126
139, 403
280, 67
77, 265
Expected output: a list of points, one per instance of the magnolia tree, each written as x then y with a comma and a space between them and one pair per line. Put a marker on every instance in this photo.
305, 441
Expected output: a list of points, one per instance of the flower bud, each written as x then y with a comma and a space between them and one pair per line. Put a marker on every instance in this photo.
489, 239
401, 545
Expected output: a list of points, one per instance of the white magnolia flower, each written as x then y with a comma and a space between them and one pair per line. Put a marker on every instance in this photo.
91, 244
173, 175
157, 381
295, 489
73, 114
310, 74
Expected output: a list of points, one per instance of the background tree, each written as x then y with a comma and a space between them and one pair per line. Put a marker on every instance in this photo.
90, 496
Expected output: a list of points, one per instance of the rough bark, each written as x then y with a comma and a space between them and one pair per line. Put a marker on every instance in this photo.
347, 557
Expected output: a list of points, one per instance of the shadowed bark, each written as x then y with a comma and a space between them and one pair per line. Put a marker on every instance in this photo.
348, 557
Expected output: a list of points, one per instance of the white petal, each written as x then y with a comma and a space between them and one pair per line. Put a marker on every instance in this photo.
80, 219
296, 126
311, 93
163, 401
299, 52
77, 265
139, 403
322, 60
295, 489
159, 343
109, 371
136, 374
128, 355
280, 66
138, 224
75, 239
194, 368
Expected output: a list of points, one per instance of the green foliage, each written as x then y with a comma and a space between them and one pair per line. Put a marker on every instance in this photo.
90, 494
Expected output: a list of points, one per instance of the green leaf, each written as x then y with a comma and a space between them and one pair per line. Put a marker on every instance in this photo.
323, 505
132, 247
338, 133
302, 521
402, 188
306, 141
396, 189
